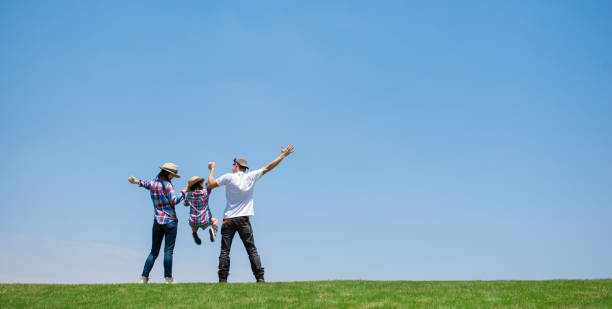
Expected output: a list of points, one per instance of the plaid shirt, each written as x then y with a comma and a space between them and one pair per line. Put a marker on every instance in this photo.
163, 202
199, 213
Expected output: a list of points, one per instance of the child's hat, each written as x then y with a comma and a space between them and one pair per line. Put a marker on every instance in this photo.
193, 180
171, 168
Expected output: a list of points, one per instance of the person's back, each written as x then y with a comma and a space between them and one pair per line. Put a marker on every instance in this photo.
239, 208
239, 192
164, 199
197, 200
200, 216
165, 220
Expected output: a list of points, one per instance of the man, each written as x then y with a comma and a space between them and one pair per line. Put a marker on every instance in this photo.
239, 194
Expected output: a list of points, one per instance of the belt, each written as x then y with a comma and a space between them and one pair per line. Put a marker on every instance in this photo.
230, 219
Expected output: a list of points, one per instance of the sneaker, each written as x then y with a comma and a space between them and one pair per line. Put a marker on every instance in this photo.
170, 280
143, 280
213, 234
261, 280
222, 280
197, 239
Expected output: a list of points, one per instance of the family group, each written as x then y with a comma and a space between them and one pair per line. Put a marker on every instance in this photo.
236, 218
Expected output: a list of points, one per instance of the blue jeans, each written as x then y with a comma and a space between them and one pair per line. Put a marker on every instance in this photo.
160, 231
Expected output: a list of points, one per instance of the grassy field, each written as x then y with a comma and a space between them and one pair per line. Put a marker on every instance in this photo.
316, 294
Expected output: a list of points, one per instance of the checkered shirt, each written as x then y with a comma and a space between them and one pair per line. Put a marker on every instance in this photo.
163, 202
199, 212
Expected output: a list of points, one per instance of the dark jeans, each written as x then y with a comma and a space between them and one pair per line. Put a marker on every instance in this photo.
242, 225
160, 231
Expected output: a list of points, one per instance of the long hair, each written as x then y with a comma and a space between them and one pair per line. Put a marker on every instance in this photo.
163, 175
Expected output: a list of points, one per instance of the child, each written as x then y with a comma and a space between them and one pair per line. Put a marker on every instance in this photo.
196, 196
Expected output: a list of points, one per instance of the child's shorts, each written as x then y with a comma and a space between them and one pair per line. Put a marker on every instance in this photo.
201, 225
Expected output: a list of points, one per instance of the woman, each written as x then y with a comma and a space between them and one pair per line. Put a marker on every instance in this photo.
164, 224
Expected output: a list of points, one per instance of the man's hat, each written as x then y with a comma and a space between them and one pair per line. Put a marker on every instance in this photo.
171, 168
242, 162
193, 180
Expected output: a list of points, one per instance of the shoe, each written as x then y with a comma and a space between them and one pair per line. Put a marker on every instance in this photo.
261, 280
222, 280
170, 280
213, 234
143, 280
197, 239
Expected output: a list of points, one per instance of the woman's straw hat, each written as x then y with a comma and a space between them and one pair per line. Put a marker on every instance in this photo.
193, 180
171, 168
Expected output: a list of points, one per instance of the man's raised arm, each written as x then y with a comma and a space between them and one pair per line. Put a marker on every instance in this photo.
285, 152
211, 183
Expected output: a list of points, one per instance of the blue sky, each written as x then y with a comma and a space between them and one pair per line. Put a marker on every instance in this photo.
436, 140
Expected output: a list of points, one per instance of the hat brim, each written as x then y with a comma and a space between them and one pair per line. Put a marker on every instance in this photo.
171, 172
200, 179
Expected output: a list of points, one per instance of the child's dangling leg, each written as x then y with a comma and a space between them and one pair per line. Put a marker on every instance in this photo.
194, 233
213, 229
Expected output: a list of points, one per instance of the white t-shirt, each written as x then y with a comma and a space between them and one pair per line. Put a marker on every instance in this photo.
239, 192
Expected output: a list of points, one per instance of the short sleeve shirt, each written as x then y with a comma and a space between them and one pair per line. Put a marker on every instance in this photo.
239, 192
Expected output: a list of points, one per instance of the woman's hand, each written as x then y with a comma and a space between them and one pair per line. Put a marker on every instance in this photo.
132, 180
211, 165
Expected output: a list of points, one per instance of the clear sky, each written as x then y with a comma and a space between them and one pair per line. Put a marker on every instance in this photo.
435, 140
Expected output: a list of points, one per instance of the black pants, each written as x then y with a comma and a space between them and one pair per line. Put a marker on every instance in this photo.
242, 225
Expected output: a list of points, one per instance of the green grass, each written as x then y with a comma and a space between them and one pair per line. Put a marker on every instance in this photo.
316, 294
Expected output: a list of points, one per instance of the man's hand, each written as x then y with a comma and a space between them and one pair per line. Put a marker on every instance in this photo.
287, 151
211, 183
132, 180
